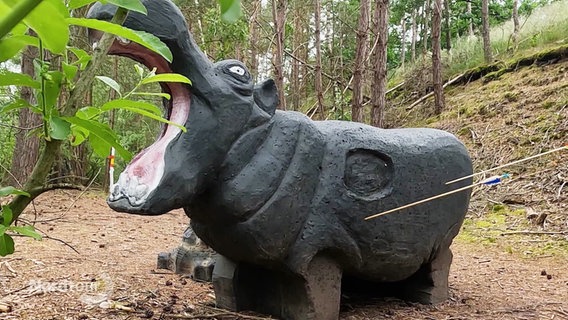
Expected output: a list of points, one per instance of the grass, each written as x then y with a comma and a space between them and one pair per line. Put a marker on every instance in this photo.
492, 230
545, 27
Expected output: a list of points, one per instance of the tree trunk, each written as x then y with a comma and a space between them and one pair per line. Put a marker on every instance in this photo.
295, 89
414, 36
362, 48
436, 60
318, 76
426, 27
26, 147
403, 41
448, 25
378, 94
279, 17
485, 31
470, 19
516, 25
254, 39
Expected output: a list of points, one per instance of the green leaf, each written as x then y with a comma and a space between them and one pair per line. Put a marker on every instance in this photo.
52, 84
129, 104
59, 129
166, 77
103, 132
17, 79
111, 83
74, 4
83, 57
88, 113
143, 38
99, 146
10, 46
4, 191
131, 5
27, 231
2, 229
154, 94
69, 70
18, 104
230, 10
143, 108
7, 216
79, 135
6, 245
48, 21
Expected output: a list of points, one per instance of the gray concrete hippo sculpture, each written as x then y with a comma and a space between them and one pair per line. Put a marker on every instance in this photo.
283, 198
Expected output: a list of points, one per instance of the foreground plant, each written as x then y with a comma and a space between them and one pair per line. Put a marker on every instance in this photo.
68, 121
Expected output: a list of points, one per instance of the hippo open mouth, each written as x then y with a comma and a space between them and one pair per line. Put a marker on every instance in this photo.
225, 104
144, 172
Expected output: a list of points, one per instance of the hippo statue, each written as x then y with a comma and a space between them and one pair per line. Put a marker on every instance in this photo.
281, 198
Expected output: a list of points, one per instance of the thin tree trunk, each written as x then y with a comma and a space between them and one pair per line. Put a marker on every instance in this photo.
436, 60
318, 75
448, 25
362, 48
414, 36
516, 25
426, 27
279, 17
254, 38
485, 31
470, 20
296, 46
378, 94
403, 42
27, 145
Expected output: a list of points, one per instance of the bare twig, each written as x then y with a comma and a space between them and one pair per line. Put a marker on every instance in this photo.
62, 241
533, 232
12, 175
17, 290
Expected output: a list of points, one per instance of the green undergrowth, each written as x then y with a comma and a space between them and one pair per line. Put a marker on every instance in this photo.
507, 229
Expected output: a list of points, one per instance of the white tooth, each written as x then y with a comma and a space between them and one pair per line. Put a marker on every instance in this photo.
140, 190
123, 40
132, 184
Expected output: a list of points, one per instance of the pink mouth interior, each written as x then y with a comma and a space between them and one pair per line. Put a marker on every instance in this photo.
146, 169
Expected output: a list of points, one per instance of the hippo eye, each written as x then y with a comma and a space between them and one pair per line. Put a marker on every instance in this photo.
237, 70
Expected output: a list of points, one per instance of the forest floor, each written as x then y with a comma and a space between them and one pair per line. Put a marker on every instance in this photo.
509, 259
116, 262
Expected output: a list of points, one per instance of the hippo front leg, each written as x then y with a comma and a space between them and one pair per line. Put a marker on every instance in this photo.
314, 295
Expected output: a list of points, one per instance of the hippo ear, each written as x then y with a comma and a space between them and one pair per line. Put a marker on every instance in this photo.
266, 96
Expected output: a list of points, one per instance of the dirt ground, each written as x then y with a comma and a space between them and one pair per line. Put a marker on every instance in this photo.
113, 274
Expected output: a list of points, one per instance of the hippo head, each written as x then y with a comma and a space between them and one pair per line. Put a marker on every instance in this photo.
221, 104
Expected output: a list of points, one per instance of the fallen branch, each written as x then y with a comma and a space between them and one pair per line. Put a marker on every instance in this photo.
534, 232
394, 88
417, 102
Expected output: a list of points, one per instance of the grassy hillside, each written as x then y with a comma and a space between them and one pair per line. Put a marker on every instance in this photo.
522, 113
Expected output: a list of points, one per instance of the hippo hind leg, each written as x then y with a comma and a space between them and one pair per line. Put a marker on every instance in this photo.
285, 295
429, 285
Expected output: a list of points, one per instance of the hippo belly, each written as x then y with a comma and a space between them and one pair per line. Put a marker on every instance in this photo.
368, 170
